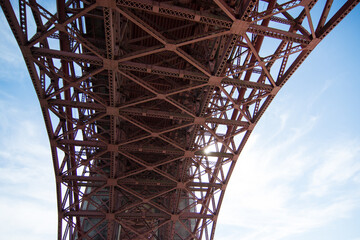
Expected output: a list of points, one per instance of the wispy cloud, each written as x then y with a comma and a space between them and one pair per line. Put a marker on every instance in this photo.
284, 186
10, 50
340, 164
27, 185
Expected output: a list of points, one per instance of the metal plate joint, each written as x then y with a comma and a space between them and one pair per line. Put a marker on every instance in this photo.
239, 27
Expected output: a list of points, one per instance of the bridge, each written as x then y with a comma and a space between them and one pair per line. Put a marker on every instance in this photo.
149, 104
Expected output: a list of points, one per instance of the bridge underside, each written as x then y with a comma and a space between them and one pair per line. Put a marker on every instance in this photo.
148, 104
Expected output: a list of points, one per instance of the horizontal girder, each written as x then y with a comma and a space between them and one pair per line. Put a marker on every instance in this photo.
148, 104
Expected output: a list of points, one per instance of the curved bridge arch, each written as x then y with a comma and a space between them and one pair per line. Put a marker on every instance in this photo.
144, 139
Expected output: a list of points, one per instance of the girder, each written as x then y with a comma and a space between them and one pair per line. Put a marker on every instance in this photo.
148, 104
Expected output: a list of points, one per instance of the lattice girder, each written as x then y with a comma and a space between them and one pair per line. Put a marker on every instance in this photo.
148, 104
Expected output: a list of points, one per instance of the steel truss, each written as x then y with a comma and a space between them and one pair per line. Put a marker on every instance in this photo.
148, 104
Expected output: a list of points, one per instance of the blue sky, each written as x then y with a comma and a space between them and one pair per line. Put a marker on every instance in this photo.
297, 178
299, 175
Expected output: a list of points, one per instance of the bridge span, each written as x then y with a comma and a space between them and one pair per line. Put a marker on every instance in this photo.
148, 104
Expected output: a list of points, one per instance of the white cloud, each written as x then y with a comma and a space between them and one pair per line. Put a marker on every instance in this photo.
27, 183
22, 218
274, 192
339, 164
10, 50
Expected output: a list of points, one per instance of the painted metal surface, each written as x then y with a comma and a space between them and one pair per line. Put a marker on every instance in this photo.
148, 104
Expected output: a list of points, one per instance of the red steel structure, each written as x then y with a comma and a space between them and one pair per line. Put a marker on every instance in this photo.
148, 104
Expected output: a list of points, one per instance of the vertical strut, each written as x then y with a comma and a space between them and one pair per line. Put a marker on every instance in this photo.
22, 14
165, 94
